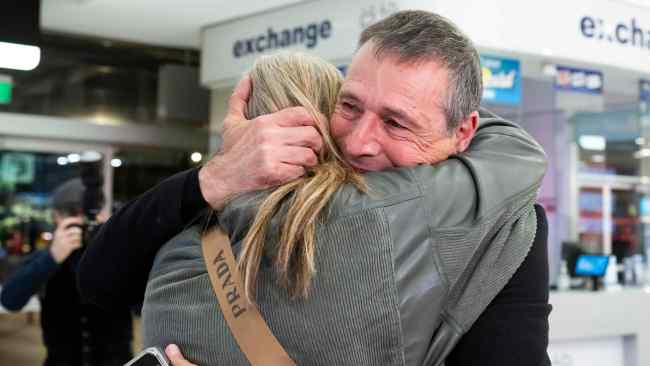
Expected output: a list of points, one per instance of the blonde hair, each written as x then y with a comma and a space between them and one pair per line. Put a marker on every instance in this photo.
281, 81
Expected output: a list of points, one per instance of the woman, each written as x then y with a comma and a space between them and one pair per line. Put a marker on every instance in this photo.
342, 276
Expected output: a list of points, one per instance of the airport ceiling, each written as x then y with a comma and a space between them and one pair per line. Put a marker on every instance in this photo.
169, 23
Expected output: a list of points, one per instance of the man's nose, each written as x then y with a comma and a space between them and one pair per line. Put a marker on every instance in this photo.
363, 139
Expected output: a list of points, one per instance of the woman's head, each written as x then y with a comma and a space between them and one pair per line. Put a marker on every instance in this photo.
281, 81
292, 79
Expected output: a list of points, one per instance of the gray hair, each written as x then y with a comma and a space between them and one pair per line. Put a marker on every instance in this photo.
420, 36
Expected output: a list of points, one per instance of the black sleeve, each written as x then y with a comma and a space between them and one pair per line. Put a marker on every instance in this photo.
513, 330
115, 267
28, 279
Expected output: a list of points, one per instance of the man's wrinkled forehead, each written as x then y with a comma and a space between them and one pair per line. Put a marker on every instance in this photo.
361, 78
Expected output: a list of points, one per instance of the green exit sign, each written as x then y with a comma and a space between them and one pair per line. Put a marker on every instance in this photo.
5, 89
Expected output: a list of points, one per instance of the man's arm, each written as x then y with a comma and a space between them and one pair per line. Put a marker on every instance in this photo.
27, 280
114, 268
256, 154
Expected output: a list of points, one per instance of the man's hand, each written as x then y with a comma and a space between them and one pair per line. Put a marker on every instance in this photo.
260, 153
175, 356
66, 239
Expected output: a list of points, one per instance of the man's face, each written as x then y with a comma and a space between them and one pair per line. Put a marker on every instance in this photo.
390, 114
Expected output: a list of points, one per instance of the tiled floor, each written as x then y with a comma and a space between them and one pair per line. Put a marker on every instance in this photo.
21, 344
20, 341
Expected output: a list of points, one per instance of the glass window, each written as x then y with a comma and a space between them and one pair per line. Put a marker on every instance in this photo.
610, 143
136, 170
27, 180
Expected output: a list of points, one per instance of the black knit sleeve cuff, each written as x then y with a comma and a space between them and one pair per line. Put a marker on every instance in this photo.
193, 201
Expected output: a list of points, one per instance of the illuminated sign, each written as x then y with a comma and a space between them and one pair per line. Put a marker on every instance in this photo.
579, 80
6, 85
501, 80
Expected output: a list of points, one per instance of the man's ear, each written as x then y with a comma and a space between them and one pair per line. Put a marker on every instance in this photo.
465, 131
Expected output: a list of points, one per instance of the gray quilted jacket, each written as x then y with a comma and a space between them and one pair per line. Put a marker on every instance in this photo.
402, 273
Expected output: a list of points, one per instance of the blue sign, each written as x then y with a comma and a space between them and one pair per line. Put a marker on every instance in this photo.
579, 80
644, 91
501, 80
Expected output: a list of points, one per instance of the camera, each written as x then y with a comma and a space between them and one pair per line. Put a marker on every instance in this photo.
92, 199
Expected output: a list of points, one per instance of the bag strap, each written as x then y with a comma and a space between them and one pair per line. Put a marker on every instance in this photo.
251, 332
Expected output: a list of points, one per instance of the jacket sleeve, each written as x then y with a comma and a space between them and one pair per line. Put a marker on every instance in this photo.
27, 280
513, 330
115, 267
502, 162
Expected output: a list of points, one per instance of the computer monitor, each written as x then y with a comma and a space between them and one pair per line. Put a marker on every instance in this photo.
591, 265
571, 250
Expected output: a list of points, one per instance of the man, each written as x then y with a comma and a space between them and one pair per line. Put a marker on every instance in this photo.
75, 333
411, 97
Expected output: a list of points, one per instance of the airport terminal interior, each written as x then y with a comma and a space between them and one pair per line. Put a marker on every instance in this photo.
140, 89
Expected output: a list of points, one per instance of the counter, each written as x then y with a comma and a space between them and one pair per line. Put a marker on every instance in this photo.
608, 328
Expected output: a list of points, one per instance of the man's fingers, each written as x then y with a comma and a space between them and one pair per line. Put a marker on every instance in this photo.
292, 117
239, 98
288, 172
301, 156
73, 230
72, 234
73, 239
306, 136
175, 356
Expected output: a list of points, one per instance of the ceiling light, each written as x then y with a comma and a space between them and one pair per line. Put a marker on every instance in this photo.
643, 153
549, 70
74, 158
592, 142
90, 156
116, 163
19, 56
196, 157
598, 158
62, 160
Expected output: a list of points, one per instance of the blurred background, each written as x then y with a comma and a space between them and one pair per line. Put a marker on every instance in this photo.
145, 83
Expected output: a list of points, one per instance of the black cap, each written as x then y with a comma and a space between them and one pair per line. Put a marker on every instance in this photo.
68, 197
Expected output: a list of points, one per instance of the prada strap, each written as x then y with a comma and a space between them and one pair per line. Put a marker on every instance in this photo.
246, 324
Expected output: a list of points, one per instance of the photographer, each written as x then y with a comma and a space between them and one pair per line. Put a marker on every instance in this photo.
75, 333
